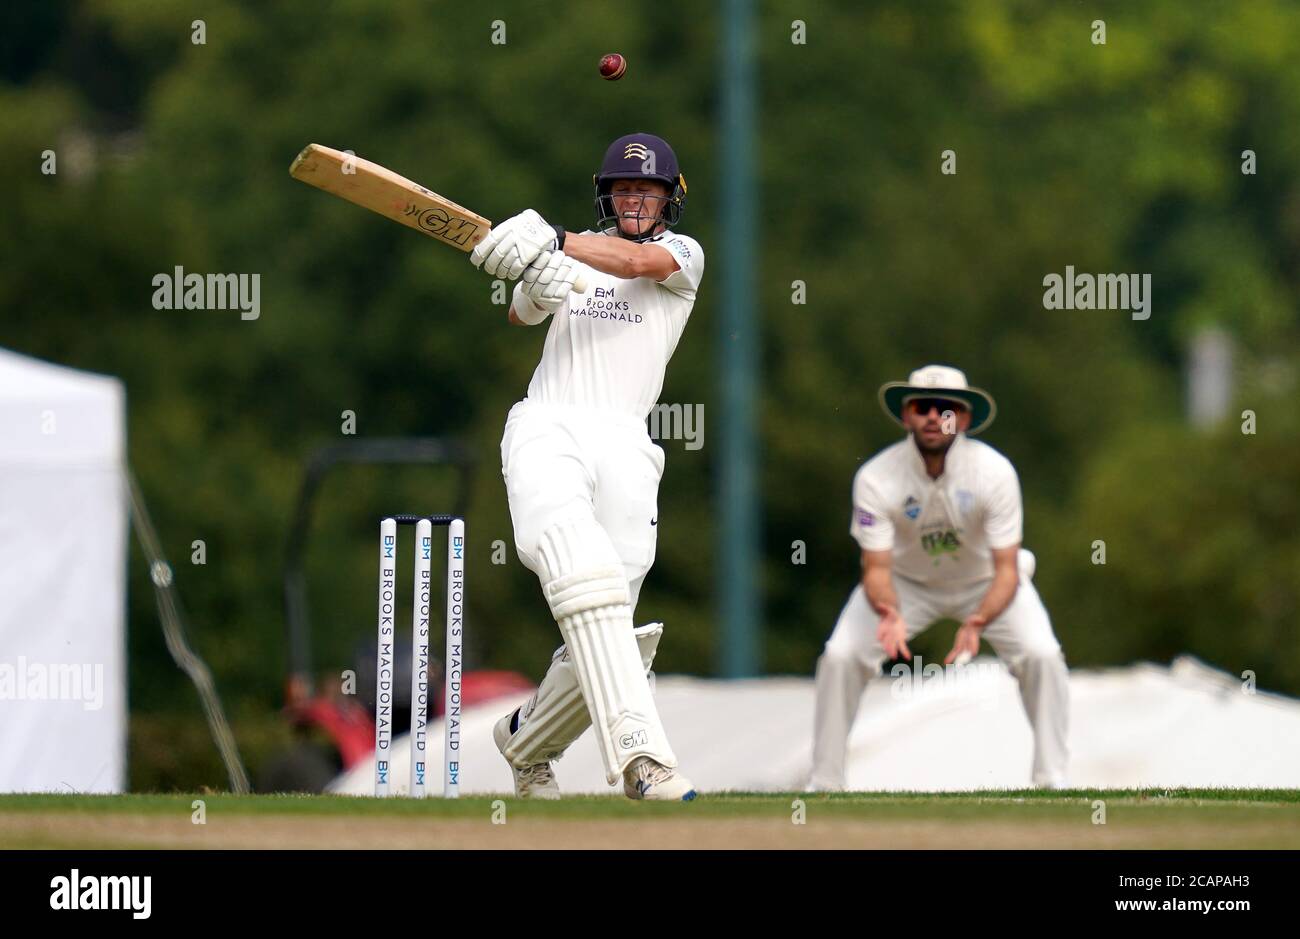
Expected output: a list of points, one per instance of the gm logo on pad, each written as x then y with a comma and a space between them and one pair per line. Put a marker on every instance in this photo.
638, 739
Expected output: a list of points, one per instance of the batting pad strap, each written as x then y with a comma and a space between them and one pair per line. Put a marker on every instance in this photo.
647, 640
587, 590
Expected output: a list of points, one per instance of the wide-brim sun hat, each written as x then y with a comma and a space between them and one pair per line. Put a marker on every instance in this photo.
939, 381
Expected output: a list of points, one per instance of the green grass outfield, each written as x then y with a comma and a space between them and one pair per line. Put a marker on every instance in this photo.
866, 805
1190, 818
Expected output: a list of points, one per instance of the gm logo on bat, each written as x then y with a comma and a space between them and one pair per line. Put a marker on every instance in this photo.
436, 222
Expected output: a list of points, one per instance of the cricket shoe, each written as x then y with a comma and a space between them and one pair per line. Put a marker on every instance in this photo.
651, 780
531, 782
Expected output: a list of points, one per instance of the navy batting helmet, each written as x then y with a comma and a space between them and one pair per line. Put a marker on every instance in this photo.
639, 156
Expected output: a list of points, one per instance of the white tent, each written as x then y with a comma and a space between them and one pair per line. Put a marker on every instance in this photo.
1143, 725
63, 544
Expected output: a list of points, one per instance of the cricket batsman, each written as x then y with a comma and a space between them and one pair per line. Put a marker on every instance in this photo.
581, 472
938, 518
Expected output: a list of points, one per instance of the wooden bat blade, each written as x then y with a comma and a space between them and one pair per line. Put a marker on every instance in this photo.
380, 190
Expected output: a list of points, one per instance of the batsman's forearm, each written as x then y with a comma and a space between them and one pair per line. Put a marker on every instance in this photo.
615, 256
999, 595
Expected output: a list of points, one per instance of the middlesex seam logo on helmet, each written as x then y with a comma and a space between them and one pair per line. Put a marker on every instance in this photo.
635, 151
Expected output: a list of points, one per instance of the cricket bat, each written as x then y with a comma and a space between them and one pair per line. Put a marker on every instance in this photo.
378, 189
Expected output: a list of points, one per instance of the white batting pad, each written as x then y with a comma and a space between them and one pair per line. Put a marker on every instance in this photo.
556, 715
583, 579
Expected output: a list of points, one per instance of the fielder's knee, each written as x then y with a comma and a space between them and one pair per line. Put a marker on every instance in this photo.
836, 660
1038, 660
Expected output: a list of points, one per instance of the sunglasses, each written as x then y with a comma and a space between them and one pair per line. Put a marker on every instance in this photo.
925, 405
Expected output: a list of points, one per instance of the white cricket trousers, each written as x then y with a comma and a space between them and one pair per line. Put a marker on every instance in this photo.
559, 461
1022, 637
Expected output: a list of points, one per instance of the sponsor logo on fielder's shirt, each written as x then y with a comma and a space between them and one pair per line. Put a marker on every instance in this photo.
965, 501
865, 518
941, 542
911, 508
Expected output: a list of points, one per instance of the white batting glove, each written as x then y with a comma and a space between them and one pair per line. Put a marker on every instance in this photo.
514, 244
548, 280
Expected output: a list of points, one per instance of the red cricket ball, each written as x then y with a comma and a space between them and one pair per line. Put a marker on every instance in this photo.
612, 67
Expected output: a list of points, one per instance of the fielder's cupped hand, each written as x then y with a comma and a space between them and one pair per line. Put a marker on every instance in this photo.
514, 244
892, 633
966, 644
548, 280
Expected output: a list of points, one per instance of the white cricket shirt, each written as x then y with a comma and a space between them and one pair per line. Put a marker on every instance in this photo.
608, 348
942, 531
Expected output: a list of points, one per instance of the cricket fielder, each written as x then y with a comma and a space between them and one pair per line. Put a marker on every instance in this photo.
938, 518
581, 472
